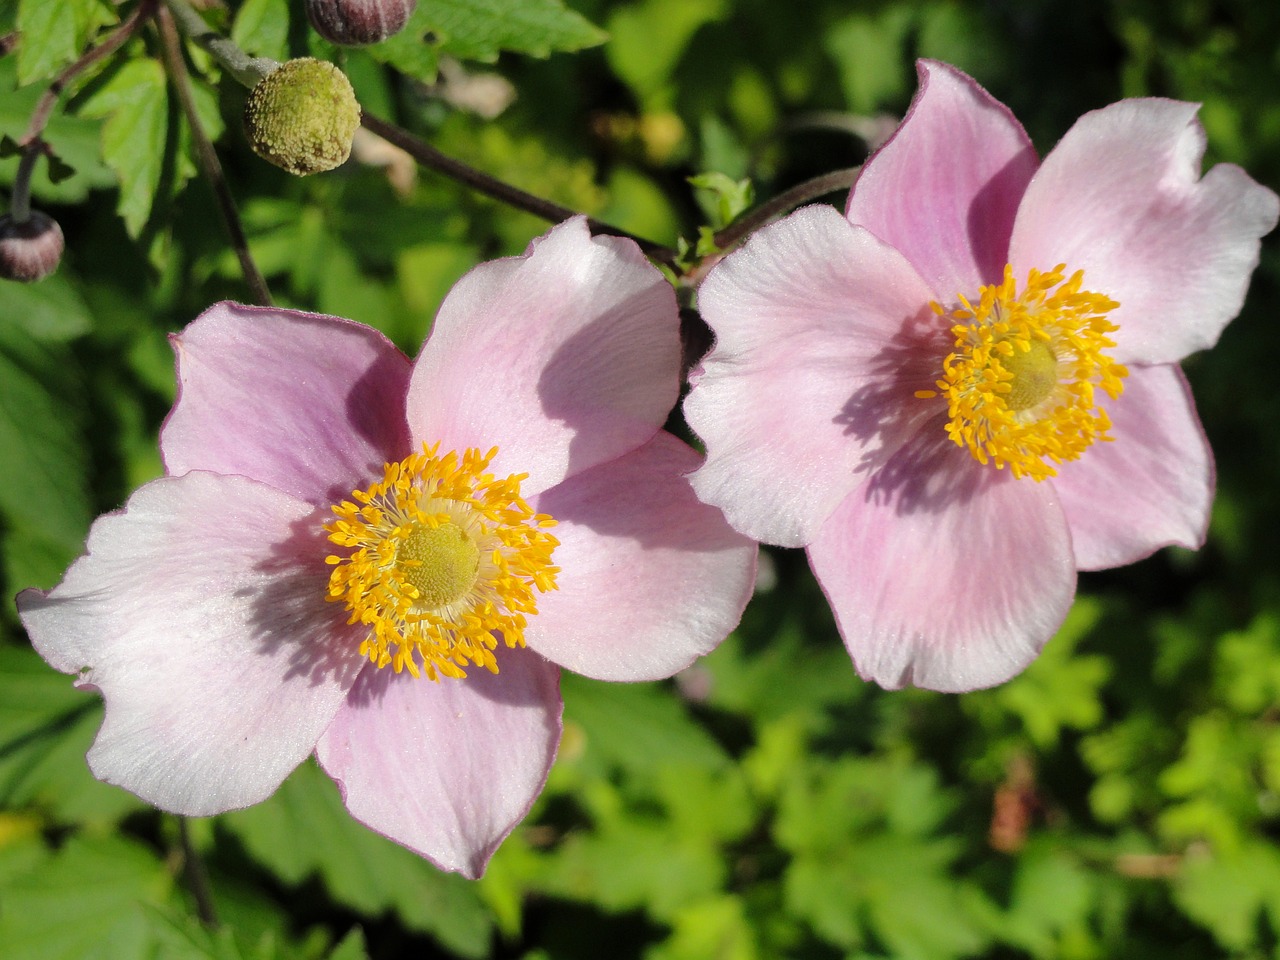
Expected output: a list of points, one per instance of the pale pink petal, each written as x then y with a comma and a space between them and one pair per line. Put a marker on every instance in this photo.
199, 612
945, 188
943, 573
823, 333
1149, 488
311, 405
650, 577
564, 358
447, 769
1121, 198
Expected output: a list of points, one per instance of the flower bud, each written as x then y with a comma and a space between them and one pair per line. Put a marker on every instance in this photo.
29, 249
302, 116
356, 22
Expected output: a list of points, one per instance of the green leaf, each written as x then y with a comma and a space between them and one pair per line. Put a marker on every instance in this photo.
46, 727
480, 29
43, 460
352, 947
635, 728
868, 53
723, 197
90, 901
261, 28
135, 104
52, 34
360, 869
48, 39
648, 39
1226, 892
75, 141
51, 310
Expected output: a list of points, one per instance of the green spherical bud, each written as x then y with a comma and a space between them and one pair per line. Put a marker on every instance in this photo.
302, 116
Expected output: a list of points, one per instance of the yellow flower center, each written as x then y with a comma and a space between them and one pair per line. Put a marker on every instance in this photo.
442, 560
1020, 384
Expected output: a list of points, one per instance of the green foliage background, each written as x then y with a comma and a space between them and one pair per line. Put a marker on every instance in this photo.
1120, 799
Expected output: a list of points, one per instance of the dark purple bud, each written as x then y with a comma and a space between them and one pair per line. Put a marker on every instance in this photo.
356, 22
29, 249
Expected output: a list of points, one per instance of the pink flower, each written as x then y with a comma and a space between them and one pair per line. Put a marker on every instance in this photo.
966, 389
235, 621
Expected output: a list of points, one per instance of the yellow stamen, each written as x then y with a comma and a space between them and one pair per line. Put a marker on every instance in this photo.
1020, 385
443, 559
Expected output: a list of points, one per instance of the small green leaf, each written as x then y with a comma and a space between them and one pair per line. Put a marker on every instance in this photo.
722, 197
135, 104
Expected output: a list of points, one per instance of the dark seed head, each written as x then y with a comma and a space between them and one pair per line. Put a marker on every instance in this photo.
29, 249
357, 22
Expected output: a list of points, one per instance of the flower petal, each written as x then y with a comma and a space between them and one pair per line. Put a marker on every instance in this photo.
565, 357
1121, 198
943, 573
447, 769
650, 577
945, 188
311, 405
199, 612
822, 335
1149, 488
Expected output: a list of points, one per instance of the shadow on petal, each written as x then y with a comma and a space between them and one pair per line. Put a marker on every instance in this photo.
291, 609
896, 429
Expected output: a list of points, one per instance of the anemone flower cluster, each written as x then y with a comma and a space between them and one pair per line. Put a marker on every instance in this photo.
966, 388
338, 527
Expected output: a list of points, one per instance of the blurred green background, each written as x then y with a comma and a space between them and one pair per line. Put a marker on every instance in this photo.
1120, 799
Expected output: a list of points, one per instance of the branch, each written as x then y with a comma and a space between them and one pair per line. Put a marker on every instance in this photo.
171, 51
481, 182
249, 71
246, 69
734, 234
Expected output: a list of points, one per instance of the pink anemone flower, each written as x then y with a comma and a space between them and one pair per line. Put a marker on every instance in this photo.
966, 388
340, 526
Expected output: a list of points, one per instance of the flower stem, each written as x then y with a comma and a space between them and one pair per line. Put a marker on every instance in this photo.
513, 196
249, 71
246, 69
171, 52
197, 877
736, 232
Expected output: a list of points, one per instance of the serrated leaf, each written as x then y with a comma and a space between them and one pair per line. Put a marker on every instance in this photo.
48, 39
480, 29
135, 104
359, 868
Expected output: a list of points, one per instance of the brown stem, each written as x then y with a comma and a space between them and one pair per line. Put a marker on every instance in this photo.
207, 157
736, 232
197, 877
481, 182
